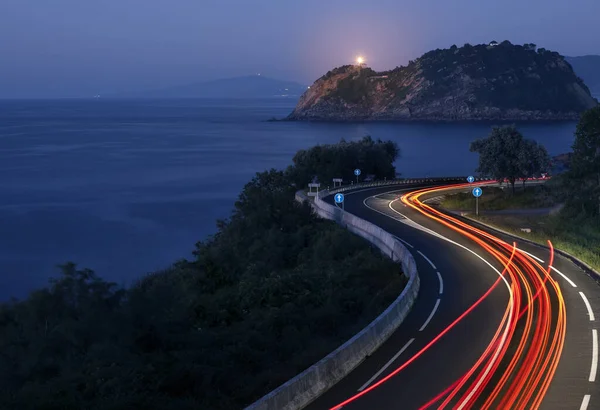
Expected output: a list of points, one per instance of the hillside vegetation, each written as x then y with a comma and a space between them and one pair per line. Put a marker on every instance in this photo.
274, 291
503, 81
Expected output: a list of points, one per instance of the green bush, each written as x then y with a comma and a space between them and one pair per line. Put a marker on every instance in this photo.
274, 291
325, 162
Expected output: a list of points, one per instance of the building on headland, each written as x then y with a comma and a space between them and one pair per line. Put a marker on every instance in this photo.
493, 44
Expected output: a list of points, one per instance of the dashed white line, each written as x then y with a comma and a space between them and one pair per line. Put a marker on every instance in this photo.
404, 242
427, 259
437, 235
588, 306
594, 368
533, 256
385, 366
564, 276
552, 267
585, 402
437, 303
441, 282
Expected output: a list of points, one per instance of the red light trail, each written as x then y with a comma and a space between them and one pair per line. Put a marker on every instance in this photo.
533, 327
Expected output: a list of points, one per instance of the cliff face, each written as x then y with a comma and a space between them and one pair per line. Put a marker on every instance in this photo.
503, 82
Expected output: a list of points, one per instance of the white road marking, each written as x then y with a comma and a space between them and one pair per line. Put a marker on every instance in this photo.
433, 233
564, 276
385, 366
585, 402
505, 334
437, 303
427, 259
594, 368
441, 283
588, 306
510, 293
390, 206
533, 256
378, 187
405, 220
552, 267
378, 211
403, 241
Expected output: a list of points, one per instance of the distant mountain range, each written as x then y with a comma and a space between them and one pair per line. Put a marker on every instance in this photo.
258, 86
588, 68
254, 86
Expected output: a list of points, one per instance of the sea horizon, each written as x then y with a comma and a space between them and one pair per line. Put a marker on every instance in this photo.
127, 187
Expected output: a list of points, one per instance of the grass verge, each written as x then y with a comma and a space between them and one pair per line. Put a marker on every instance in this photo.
495, 199
579, 237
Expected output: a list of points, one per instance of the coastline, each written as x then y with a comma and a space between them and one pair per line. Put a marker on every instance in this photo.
424, 120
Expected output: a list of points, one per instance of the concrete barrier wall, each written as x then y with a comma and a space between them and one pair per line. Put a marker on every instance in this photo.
320, 377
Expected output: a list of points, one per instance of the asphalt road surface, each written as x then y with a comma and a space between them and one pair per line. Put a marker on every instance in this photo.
493, 326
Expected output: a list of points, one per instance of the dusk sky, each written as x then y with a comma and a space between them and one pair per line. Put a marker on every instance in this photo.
71, 48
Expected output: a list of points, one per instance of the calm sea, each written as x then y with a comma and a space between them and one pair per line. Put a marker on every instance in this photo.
127, 187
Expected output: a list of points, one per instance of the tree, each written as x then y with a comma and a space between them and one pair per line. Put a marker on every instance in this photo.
506, 154
272, 291
533, 160
325, 162
585, 162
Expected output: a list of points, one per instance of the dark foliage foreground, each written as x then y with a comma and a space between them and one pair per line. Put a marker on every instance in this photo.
274, 291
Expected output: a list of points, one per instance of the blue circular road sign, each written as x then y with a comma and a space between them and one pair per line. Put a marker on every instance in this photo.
357, 172
477, 192
470, 179
339, 198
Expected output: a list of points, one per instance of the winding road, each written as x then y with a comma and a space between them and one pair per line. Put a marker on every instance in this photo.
498, 324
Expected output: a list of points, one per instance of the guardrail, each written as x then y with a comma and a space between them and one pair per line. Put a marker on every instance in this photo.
344, 188
320, 377
301, 390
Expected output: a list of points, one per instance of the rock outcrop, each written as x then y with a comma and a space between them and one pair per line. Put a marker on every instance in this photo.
483, 82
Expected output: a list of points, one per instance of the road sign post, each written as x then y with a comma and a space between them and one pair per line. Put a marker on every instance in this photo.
477, 193
311, 192
357, 173
470, 179
339, 199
